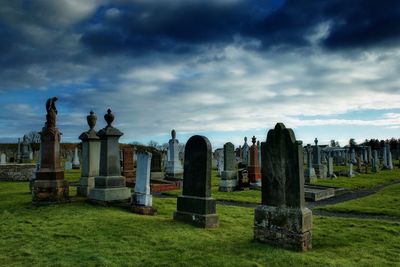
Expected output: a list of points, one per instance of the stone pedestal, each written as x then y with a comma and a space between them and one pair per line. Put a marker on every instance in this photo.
90, 158
195, 205
173, 168
109, 186
50, 185
285, 227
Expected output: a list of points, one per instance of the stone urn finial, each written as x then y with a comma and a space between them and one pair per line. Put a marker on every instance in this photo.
316, 141
91, 119
173, 134
253, 140
109, 117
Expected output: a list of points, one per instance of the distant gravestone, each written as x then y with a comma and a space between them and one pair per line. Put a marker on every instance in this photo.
142, 200
375, 161
75, 160
173, 168
228, 180
245, 153
310, 172
128, 168
3, 159
67, 165
330, 167
282, 219
254, 171
195, 205
220, 161
155, 168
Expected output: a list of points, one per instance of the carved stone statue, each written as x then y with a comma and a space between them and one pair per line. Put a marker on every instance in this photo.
51, 112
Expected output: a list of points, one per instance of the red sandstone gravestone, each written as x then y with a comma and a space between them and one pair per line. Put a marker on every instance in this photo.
254, 167
50, 185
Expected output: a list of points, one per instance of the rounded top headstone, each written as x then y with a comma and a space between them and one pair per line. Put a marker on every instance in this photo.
173, 133
253, 140
109, 117
91, 119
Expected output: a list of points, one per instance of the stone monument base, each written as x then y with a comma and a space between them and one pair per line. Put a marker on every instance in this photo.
50, 191
86, 184
143, 210
197, 211
119, 194
285, 227
174, 175
227, 185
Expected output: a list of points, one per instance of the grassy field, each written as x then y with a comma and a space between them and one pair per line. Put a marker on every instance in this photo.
384, 202
79, 234
362, 181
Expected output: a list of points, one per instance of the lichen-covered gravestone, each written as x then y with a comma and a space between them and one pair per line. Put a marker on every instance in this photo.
195, 205
282, 219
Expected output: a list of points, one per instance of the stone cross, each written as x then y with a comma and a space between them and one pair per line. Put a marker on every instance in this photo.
195, 205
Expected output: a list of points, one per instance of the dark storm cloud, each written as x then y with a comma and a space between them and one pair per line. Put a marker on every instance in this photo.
181, 26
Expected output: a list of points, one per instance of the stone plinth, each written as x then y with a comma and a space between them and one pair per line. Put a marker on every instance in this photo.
195, 205
109, 186
286, 227
50, 185
90, 158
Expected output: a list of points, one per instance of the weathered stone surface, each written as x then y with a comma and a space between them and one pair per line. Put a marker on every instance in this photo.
228, 180
245, 153
142, 194
16, 172
309, 173
195, 205
75, 160
128, 167
282, 218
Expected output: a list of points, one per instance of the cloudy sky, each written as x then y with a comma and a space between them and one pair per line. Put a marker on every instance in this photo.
221, 68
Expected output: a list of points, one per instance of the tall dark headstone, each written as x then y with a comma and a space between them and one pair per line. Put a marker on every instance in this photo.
128, 166
282, 219
228, 180
50, 185
195, 205
109, 186
155, 167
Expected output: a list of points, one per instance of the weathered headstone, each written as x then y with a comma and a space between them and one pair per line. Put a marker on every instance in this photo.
90, 157
245, 153
25, 150
385, 159
310, 172
220, 161
128, 168
330, 168
3, 159
375, 161
320, 169
228, 180
254, 167
75, 160
174, 168
50, 185
109, 186
350, 173
195, 205
155, 168
142, 200
282, 219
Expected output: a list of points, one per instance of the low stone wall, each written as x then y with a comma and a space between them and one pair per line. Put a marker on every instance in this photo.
16, 172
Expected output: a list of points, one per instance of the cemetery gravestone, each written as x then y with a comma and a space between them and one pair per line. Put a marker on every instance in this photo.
174, 168
128, 168
109, 186
142, 200
50, 185
90, 157
282, 219
75, 160
245, 153
254, 172
228, 180
310, 172
156, 165
195, 205
3, 159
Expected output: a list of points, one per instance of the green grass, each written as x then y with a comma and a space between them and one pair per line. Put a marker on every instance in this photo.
362, 181
72, 175
79, 234
384, 202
